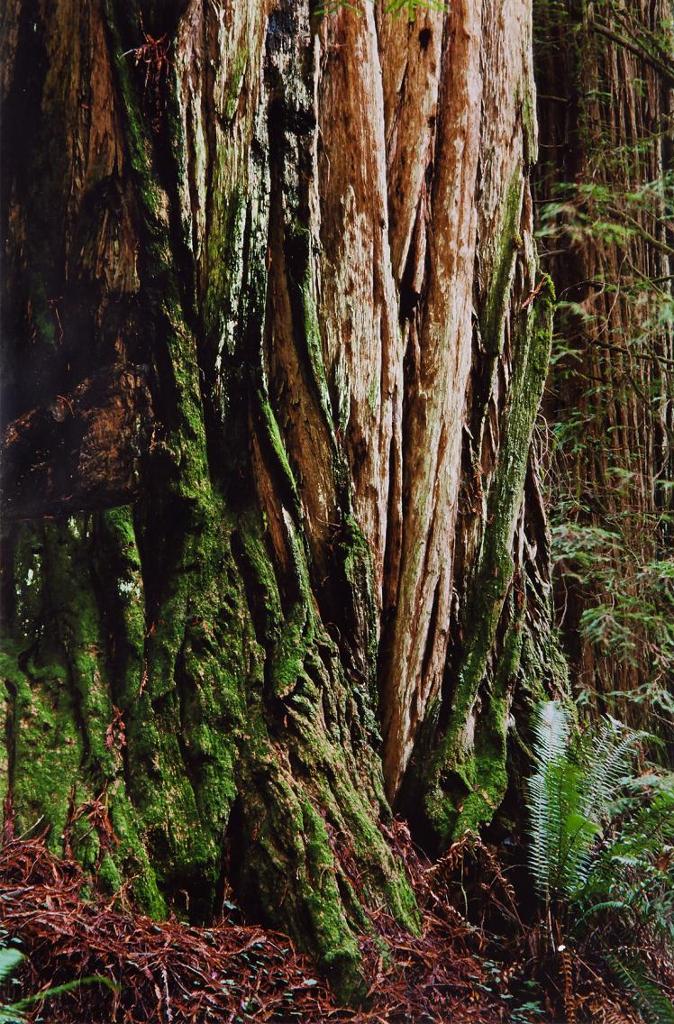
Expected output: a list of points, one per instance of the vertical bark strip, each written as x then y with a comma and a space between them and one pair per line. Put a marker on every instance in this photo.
498, 647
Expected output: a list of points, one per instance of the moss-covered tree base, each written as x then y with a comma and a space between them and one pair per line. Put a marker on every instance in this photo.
147, 726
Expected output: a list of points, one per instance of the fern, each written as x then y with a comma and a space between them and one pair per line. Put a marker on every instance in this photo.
551, 729
634, 868
608, 766
602, 846
552, 732
646, 994
10, 1016
562, 833
10, 959
570, 799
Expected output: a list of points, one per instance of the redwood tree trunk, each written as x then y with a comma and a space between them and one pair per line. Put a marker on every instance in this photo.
605, 77
275, 342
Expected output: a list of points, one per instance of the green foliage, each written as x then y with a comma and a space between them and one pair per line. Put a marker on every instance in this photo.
569, 799
650, 1000
608, 238
632, 872
630, 617
10, 958
601, 852
10, 962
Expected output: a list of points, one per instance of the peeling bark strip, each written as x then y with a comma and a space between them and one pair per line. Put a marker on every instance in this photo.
463, 779
316, 233
437, 333
407, 241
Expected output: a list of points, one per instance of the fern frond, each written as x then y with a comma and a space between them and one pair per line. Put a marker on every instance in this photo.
607, 766
552, 731
541, 828
9, 1016
646, 994
9, 961
561, 834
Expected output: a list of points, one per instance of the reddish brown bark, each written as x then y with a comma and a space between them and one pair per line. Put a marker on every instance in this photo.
317, 236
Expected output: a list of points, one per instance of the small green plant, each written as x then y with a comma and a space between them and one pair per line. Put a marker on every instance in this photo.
571, 799
11, 959
601, 854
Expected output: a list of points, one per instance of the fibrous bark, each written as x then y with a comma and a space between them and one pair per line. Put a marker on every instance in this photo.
314, 236
83, 450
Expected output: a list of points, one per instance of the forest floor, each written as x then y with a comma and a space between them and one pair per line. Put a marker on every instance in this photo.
176, 973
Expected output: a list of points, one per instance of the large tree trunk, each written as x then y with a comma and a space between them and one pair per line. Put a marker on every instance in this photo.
605, 76
274, 345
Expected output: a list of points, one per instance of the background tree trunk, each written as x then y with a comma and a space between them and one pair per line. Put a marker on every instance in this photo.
605, 79
294, 255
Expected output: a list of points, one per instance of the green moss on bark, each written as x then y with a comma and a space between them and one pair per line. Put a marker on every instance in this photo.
485, 773
497, 303
248, 729
60, 708
464, 782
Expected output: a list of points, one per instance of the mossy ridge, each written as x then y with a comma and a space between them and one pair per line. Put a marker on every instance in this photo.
494, 311
452, 765
300, 720
183, 755
485, 775
171, 822
188, 717
271, 434
289, 875
321, 727
225, 266
314, 344
291, 146
41, 732
61, 708
169, 342
179, 807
